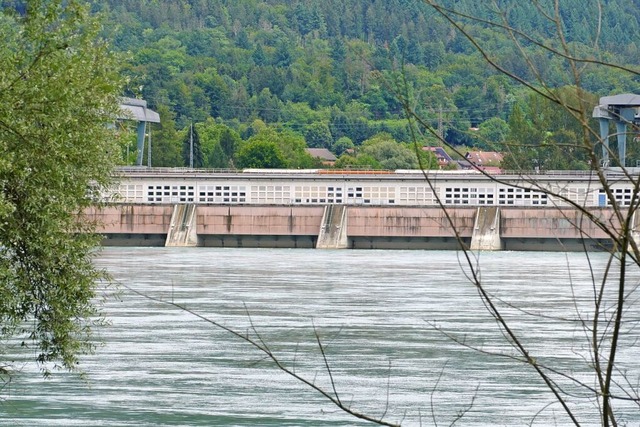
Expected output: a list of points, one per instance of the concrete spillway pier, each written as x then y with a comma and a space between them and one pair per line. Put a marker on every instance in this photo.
363, 227
182, 229
635, 230
486, 231
333, 231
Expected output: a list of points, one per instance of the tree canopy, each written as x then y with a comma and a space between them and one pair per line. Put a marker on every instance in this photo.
335, 69
261, 154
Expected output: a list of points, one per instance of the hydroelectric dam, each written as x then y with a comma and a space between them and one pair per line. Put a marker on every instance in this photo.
339, 209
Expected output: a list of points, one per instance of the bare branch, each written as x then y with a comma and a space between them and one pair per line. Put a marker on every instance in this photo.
326, 363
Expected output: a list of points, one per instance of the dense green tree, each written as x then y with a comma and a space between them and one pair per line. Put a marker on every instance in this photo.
389, 153
208, 137
542, 134
256, 127
318, 135
215, 90
383, 152
267, 105
217, 159
377, 104
491, 134
283, 54
258, 56
242, 40
459, 133
229, 142
360, 161
291, 145
352, 123
341, 145
165, 145
219, 144
59, 89
397, 128
520, 146
261, 154
299, 113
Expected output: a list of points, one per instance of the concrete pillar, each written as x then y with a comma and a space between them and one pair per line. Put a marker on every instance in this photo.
142, 129
621, 131
486, 231
635, 229
182, 230
604, 136
333, 228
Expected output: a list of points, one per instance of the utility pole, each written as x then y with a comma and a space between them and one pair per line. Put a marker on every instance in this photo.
191, 147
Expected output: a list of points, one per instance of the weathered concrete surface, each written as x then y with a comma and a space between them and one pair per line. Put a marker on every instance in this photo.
367, 227
259, 220
408, 222
552, 223
132, 219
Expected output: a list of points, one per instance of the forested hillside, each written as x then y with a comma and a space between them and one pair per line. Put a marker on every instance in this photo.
325, 73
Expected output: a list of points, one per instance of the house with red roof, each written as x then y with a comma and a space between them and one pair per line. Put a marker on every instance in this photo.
488, 161
325, 156
442, 156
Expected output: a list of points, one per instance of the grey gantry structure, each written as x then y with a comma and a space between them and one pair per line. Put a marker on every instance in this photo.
136, 109
623, 110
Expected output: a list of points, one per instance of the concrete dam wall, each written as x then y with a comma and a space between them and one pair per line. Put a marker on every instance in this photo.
357, 227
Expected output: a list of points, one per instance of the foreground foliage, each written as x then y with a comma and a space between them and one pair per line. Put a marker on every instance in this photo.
59, 87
